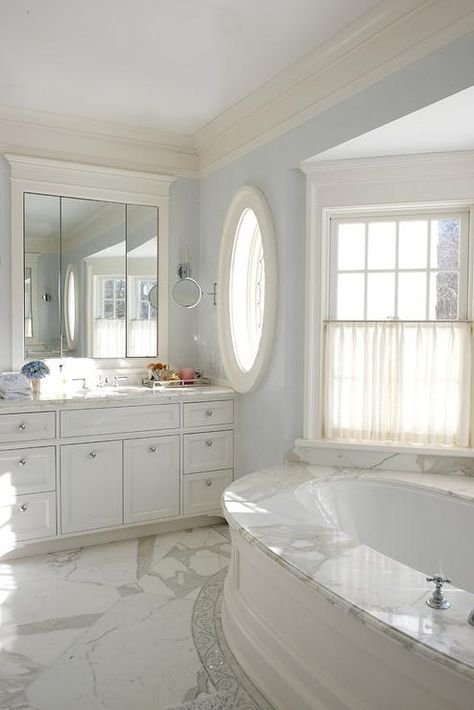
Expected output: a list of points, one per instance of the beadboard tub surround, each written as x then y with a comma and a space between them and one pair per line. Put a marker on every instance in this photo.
347, 625
95, 465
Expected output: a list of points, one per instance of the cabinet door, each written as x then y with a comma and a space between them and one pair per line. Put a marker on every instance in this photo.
151, 478
91, 486
203, 491
211, 451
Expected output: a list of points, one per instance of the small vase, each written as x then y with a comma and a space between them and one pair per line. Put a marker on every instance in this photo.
36, 386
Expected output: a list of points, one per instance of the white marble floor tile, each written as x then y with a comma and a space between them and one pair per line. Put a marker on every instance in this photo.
107, 627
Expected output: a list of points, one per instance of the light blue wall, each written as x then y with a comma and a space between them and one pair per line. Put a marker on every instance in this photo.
271, 417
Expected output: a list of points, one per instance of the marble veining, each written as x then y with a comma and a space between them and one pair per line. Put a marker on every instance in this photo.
263, 507
113, 625
110, 397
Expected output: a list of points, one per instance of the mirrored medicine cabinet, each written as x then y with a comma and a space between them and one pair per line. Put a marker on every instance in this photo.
90, 278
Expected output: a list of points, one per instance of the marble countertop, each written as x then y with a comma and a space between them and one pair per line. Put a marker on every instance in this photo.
112, 396
259, 508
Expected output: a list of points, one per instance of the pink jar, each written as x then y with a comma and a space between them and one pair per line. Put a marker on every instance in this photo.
188, 375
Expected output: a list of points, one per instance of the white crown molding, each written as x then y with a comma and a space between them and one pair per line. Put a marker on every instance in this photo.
397, 167
64, 177
382, 41
71, 138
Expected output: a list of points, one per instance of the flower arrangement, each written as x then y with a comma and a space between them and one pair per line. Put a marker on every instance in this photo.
35, 370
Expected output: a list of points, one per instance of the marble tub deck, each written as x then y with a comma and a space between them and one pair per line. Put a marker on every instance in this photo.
264, 508
111, 626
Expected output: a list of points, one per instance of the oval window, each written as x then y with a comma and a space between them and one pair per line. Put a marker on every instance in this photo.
247, 292
70, 307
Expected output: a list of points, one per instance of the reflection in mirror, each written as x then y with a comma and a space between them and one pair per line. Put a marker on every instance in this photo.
142, 279
187, 292
93, 250
41, 274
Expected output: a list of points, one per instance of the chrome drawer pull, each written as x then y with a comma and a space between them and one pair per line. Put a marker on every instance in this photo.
208, 482
208, 412
24, 507
209, 442
92, 454
152, 449
22, 427
23, 462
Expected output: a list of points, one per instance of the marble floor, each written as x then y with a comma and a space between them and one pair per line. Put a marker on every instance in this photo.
131, 624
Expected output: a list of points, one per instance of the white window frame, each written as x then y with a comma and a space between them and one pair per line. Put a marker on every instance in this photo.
92, 182
247, 198
336, 189
365, 216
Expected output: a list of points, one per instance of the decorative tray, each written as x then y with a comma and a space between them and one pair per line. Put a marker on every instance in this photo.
170, 384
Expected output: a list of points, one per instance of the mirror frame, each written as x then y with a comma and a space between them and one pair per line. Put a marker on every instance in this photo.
67, 179
199, 290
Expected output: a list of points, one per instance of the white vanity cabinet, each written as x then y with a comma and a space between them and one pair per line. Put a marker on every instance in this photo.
75, 467
151, 478
91, 486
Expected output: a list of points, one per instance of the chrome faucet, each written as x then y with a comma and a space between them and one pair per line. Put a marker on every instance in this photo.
437, 599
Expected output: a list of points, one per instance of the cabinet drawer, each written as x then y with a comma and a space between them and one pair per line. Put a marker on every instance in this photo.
202, 492
29, 517
27, 471
25, 427
91, 486
151, 478
206, 413
119, 420
209, 451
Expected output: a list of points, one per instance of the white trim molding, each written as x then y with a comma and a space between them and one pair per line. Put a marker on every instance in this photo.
384, 40
67, 179
247, 198
335, 188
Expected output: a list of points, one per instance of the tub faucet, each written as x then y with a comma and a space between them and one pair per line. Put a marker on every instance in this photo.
437, 599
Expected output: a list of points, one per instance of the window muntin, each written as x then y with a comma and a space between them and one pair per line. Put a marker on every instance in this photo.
247, 290
113, 298
407, 267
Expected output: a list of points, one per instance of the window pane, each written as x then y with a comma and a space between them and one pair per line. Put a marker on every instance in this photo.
120, 288
412, 296
445, 243
413, 244
444, 290
109, 289
350, 297
381, 245
143, 310
120, 309
108, 309
351, 247
380, 296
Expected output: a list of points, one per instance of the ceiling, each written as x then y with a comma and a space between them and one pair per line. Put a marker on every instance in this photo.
446, 125
171, 66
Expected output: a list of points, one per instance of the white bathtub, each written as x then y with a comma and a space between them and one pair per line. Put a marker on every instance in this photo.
325, 602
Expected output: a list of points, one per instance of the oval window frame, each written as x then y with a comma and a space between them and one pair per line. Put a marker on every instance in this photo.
248, 197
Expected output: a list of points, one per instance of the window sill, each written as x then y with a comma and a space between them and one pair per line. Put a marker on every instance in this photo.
415, 449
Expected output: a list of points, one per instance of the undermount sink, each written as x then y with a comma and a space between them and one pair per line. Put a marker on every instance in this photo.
111, 391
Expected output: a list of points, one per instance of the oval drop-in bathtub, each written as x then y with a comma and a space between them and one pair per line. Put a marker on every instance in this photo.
325, 601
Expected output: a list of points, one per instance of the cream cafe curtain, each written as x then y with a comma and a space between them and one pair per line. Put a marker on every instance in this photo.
393, 381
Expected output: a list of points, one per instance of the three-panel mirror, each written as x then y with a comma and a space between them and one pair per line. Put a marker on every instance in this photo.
90, 278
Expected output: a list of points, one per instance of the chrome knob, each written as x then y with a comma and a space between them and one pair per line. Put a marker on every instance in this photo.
24, 507
208, 482
152, 449
437, 599
92, 454
22, 462
208, 412
22, 427
209, 442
